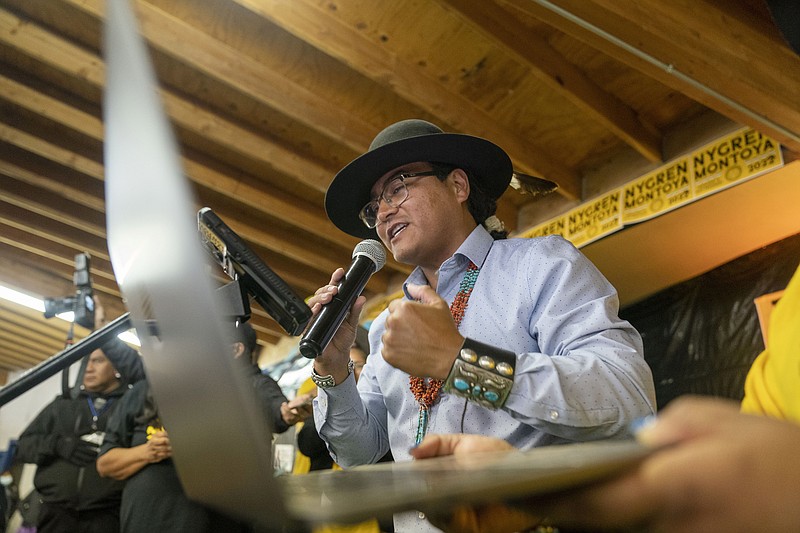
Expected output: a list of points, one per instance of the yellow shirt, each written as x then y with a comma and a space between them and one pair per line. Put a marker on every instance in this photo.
772, 387
302, 463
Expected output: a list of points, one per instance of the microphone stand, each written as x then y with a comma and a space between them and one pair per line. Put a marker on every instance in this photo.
65, 388
64, 358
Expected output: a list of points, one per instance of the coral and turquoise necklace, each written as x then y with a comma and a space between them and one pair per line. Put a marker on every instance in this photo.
424, 392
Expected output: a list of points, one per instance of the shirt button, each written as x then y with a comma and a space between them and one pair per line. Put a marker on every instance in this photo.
421, 516
554, 415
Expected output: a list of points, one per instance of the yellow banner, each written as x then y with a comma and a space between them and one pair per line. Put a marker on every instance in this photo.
666, 188
733, 159
554, 226
592, 220
723, 163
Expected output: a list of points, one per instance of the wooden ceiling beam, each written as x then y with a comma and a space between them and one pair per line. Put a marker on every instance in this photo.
50, 246
43, 46
34, 333
10, 363
52, 184
45, 149
296, 211
18, 343
17, 357
245, 143
715, 53
27, 346
240, 73
560, 75
53, 230
208, 177
51, 206
42, 337
293, 250
92, 127
35, 42
302, 19
102, 275
50, 224
74, 64
186, 115
19, 273
78, 62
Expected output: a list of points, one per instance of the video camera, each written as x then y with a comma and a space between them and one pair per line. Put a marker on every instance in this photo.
82, 304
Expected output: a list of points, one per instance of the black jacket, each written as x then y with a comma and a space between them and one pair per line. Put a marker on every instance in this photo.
58, 480
270, 397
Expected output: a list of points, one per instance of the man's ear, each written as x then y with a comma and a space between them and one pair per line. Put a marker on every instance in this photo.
460, 183
238, 349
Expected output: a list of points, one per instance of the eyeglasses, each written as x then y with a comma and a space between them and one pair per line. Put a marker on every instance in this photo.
394, 193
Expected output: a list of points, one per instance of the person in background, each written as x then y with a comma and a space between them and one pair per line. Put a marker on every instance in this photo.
64, 439
138, 453
312, 452
5, 506
137, 450
773, 382
514, 338
310, 444
282, 412
308, 440
716, 469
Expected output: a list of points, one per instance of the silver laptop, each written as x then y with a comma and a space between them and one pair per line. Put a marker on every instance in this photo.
221, 442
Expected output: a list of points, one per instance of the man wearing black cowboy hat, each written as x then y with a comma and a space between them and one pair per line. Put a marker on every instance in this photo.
513, 338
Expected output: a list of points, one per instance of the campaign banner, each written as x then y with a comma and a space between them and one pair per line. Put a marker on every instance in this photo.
662, 190
554, 226
738, 157
733, 159
590, 221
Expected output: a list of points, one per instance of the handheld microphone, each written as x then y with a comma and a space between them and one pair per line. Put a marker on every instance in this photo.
369, 256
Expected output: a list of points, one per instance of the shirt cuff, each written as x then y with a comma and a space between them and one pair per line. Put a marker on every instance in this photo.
339, 399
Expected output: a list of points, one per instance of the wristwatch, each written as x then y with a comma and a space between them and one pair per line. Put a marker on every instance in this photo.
326, 382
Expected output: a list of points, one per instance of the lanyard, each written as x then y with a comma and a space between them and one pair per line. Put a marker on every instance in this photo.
95, 414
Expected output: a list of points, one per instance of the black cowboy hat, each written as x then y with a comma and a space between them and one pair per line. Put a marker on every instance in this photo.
406, 142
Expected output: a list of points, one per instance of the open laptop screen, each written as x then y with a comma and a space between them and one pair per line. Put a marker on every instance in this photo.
222, 445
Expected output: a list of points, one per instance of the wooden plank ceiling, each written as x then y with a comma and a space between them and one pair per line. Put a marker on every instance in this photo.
270, 98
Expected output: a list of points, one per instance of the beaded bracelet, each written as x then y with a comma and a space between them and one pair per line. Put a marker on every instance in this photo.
482, 373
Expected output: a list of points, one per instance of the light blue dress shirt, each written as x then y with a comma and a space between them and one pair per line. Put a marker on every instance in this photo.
580, 373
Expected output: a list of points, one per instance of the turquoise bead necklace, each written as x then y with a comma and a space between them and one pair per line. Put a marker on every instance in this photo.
426, 393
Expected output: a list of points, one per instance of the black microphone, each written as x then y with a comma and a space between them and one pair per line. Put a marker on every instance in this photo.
368, 257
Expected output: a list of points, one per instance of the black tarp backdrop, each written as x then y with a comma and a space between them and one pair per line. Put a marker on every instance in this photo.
702, 335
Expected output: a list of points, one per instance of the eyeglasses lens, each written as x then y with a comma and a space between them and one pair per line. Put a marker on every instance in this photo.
394, 193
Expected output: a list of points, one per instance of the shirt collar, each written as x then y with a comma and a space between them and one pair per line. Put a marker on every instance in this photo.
475, 248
